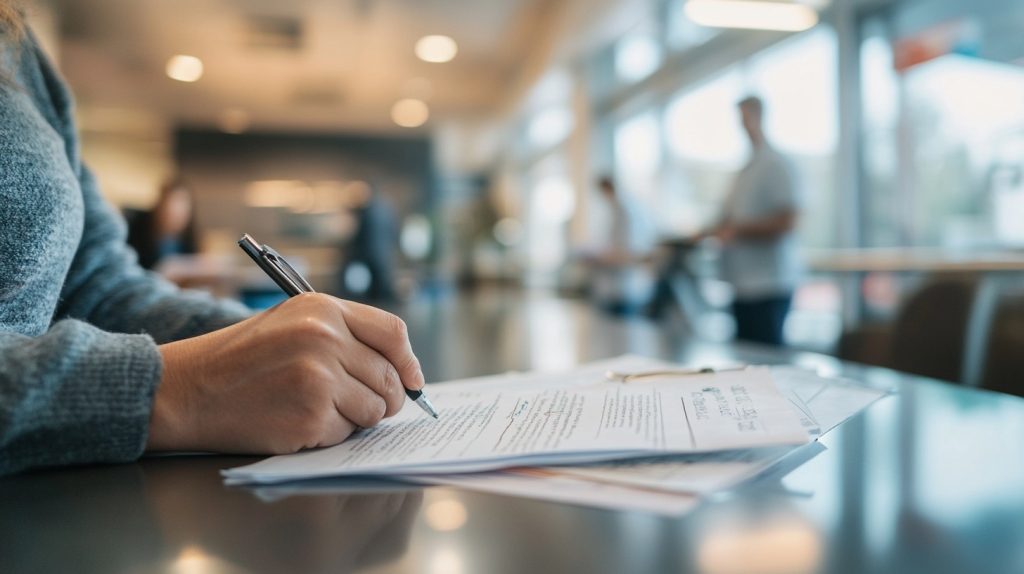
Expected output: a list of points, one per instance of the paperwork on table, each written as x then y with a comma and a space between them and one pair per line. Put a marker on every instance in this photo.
673, 485
824, 403
568, 418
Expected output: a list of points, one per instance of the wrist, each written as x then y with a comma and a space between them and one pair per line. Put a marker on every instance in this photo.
169, 424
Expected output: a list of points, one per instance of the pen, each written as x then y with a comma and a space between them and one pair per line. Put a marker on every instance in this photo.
627, 377
289, 280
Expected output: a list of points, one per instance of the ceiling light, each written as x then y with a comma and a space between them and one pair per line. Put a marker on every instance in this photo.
185, 68
410, 113
437, 49
751, 15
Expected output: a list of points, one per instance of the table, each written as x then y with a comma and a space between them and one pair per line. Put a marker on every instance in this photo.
996, 271
928, 480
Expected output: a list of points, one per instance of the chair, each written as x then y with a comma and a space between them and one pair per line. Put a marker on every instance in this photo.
927, 337
930, 331
1003, 368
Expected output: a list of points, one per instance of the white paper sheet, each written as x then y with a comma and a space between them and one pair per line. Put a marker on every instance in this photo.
522, 423
543, 485
824, 403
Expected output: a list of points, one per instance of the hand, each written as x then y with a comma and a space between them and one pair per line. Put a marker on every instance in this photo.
726, 234
304, 374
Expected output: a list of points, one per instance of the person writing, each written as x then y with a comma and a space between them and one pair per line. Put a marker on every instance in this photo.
101, 361
757, 231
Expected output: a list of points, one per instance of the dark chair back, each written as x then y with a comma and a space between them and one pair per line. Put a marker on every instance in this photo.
930, 329
1003, 369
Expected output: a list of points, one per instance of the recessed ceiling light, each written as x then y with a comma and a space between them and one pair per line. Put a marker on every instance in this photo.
752, 15
436, 49
184, 68
410, 113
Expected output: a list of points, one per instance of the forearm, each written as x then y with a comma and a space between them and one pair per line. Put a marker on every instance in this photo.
143, 303
766, 227
74, 395
106, 287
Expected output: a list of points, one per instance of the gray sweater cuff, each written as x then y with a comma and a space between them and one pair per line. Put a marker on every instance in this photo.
75, 395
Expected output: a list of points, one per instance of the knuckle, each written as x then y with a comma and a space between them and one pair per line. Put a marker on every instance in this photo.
410, 364
318, 301
316, 329
397, 326
390, 381
372, 412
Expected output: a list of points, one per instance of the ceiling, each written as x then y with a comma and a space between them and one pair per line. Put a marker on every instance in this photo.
300, 65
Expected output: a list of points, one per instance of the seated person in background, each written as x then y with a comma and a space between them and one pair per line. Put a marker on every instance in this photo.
622, 280
100, 361
167, 229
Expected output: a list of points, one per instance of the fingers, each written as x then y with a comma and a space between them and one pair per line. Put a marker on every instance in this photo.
336, 429
388, 335
370, 368
357, 403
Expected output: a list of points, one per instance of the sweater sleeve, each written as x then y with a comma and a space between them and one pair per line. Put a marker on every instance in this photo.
74, 395
78, 368
106, 287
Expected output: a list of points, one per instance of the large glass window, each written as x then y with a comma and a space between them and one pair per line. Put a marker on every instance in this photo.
706, 142
943, 121
551, 203
797, 81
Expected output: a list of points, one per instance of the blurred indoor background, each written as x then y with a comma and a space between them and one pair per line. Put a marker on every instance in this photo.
420, 150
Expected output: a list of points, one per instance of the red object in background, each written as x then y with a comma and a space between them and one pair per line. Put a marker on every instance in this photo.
881, 292
960, 36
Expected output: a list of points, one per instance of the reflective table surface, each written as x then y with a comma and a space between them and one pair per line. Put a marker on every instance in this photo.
929, 479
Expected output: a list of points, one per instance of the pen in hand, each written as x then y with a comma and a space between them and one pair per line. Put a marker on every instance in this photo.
289, 280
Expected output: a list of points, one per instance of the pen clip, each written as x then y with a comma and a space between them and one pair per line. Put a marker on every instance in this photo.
286, 269
275, 266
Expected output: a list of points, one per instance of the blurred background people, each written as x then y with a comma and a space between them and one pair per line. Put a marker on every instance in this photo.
368, 271
165, 230
903, 119
757, 232
622, 281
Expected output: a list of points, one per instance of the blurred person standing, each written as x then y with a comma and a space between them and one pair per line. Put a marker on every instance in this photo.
371, 251
167, 229
622, 280
757, 230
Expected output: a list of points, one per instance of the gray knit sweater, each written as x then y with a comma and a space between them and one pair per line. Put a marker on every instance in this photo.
79, 319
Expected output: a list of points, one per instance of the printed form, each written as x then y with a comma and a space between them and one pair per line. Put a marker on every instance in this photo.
498, 426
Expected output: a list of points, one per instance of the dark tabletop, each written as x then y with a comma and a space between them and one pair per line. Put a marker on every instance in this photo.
929, 479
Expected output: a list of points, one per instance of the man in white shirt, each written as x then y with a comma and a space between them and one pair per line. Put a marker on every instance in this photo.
757, 231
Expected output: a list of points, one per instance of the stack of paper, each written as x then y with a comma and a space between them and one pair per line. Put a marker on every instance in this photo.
487, 428
640, 438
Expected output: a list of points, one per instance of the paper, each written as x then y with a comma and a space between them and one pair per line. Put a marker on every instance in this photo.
545, 485
823, 404
497, 426
694, 474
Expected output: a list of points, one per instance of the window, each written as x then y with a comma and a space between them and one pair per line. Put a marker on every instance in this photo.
707, 143
637, 56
